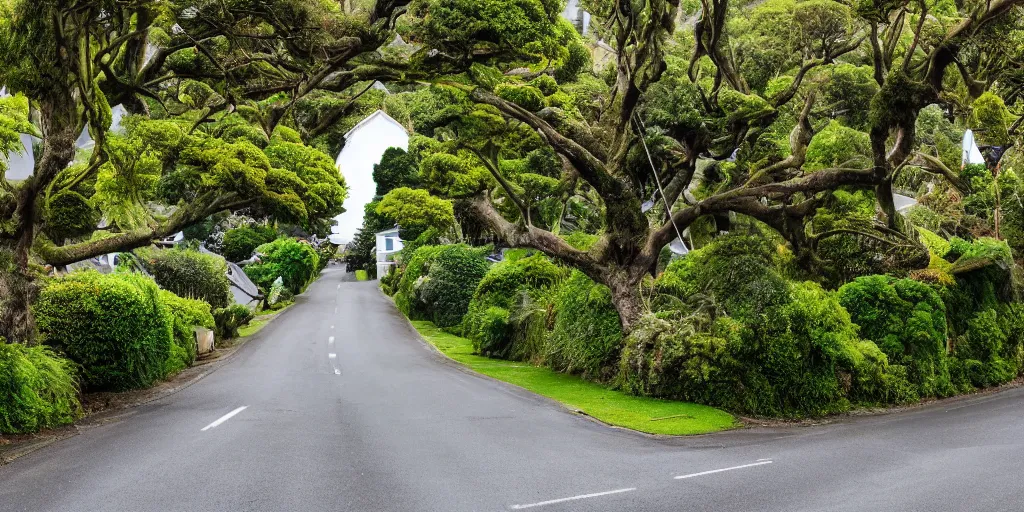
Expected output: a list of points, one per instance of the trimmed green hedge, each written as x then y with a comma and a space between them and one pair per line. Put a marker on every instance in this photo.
586, 337
438, 283
451, 280
185, 314
730, 330
907, 320
487, 319
115, 326
38, 389
295, 262
189, 273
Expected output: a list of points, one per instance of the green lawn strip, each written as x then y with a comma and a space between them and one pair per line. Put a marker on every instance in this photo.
361, 275
260, 322
650, 415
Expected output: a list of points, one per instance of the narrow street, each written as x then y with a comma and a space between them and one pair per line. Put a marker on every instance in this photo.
338, 405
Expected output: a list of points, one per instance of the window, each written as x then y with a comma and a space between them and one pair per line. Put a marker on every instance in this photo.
389, 244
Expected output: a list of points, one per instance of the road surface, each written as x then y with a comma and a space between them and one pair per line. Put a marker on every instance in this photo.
337, 405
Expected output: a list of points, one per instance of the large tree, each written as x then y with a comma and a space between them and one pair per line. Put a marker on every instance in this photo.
217, 79
738, 114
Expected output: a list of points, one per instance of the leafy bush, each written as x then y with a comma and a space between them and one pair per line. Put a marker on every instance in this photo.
38, 389
452, 277
241, 242
185, 315
115, 326
491, 332
412, 278
907, 320
499, 289
228, 320
295, 262
189, 273
801, 358
586, 336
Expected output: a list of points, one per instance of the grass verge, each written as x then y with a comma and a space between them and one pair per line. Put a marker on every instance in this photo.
260, 322
362, 275
650, 415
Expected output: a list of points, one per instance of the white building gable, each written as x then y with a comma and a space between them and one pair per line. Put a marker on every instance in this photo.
365, 143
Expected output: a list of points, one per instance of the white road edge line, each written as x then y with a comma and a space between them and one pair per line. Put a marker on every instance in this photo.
224, 418
702, 473
573, 498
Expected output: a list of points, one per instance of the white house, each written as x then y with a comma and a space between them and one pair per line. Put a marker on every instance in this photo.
388, 244
365, 143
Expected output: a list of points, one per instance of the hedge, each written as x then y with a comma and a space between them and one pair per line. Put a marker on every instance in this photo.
295, 262
115, 326
185, 314
189, 273
586, 337
907, 320
451, 281
439, 281
487, 320
38, 389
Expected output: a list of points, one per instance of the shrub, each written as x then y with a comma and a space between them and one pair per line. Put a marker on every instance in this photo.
228, 320
907, 320
980, 351
186, 314
453, 276
500, 289
189, 273
38, 389
586, 336
669, 359
412, 278
114, 326
295, 262
733, 272
241, 242
801, 358
491, 333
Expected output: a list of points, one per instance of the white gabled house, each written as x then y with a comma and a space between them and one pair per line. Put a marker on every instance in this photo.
365, 143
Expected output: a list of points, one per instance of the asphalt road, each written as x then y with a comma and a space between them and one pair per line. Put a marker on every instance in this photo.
386, 424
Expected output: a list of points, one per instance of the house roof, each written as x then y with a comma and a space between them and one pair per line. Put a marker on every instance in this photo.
388, 231
373, 116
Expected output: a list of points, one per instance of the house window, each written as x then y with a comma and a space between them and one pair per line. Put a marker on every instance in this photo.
389, 244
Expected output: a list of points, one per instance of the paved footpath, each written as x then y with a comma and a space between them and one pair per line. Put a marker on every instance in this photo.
337, 405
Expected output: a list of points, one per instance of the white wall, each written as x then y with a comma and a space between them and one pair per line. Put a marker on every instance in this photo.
364, 146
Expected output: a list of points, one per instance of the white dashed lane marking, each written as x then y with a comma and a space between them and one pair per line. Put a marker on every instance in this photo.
572, 498
224, 418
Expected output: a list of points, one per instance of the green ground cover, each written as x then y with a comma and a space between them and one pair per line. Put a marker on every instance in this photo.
649, 415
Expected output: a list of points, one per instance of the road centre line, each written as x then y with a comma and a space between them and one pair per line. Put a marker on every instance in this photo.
332, 355
224, 418
330, 339
702, 473
572, 498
